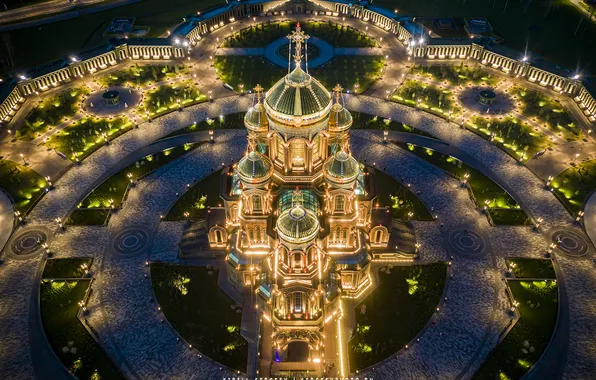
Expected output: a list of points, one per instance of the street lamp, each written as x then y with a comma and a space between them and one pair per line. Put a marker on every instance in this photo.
23, 157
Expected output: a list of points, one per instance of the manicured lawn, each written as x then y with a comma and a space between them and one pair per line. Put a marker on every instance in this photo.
232, 121
195, 200
457, 75
366, 121
511, 135
114, 188
509, 216
142, 75
484, 189
362, 71
23, 184
170, 97
523, 345
88, 217
400, 198
86, 135
532, 268
262, 34
355, 73
427, 97
50, 112
395, 312
574, 185
201, 312
59, 304
66, 268
548, 110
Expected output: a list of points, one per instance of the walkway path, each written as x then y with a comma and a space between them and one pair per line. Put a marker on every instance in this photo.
121, 310
590, 216
42, 160
6, 218
466, 322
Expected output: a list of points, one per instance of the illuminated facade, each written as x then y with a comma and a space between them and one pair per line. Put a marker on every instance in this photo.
298, 217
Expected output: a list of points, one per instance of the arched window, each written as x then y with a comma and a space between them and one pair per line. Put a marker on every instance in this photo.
337, 233
218, 237
345, 237
257, 203
378, 236
251, 235
339, 203
259, 233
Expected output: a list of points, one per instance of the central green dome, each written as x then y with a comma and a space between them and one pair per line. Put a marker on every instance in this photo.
298, 94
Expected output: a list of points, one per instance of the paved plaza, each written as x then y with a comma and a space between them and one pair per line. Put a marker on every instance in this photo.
122, 310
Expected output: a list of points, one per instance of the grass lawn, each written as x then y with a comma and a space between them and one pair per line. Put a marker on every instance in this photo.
484, 188
24, 185
356, 73
548, 110
142, 75
201, 312
523, 345
400, 198
263, 34
232, 121
457, 75
88, 217
32, 46
574, 185
114, 188
436, 100
366, 121
195, 200
66, 268
395, 312
532, 268
511, 135
50, 112
509, 217
86, 135
59, 304
170, 97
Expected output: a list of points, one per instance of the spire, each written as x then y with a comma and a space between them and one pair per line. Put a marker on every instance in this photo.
337, 92
298, 37
258, 92
297, 198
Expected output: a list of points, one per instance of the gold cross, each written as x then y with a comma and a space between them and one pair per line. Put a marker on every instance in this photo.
258, 89
337, 90
298, 37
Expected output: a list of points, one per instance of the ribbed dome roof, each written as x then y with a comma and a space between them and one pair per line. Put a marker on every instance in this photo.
298, 94
298, 225
342, 168
256, 118
254, 167
340, 118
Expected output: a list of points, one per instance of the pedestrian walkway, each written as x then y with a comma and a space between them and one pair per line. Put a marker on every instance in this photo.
590, 217
6, 218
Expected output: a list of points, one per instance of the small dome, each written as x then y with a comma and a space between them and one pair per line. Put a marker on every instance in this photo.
340, 119
298, 225
256, 119
298, 94
254, 167
341, 168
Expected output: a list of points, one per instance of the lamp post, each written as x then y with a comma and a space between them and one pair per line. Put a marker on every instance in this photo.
23, 158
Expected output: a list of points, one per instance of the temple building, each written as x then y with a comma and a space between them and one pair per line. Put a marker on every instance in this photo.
299, 227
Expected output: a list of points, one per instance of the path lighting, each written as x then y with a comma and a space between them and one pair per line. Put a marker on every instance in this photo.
105, 137
550, 179
385, 133
486, 203
575, 158
17, 214
23, 158
60, 224
111, 203
211, 135
49, 181
465, 180
130, 178
538, 221
210, 94
579, 216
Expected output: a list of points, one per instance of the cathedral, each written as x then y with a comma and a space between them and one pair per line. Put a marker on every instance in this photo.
299, 226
